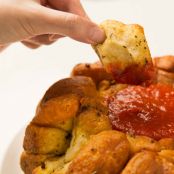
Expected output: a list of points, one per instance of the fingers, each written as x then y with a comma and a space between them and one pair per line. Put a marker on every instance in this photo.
31, 45
45, 39
66, 24
36, 42
78, 9
43, 2
3, 47
72, 6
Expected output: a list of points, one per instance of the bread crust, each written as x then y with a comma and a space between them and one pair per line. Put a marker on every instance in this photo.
45, 140
78, 85
148, 162
95, 71
58, 112
165, 69
30, 161
165, 63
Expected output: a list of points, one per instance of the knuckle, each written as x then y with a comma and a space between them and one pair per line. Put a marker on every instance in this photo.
71, 21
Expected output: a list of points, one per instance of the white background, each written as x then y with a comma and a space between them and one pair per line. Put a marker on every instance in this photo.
25, 74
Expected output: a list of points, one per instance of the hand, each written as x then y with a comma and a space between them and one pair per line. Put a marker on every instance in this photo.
36, 22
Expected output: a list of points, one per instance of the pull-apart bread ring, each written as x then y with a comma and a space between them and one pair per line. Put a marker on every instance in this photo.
72, 131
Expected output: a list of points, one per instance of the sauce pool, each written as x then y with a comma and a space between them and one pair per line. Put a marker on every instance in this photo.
147, 111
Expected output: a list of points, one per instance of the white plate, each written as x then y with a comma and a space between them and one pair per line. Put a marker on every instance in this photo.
11, 161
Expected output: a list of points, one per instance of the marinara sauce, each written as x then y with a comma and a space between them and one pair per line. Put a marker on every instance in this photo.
147, 111
133, 74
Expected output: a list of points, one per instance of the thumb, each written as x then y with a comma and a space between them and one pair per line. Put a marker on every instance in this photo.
49, 21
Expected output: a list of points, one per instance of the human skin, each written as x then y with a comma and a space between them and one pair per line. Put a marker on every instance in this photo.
38, 22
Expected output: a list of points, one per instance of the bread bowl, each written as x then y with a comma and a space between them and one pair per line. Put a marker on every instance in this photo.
68, 144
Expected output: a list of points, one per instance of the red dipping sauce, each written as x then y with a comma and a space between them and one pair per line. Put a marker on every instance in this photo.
147, 111
133, 74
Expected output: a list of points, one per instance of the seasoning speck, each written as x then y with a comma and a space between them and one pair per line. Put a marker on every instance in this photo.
111, 35
43, 165
98, 114
87, 65
93, 150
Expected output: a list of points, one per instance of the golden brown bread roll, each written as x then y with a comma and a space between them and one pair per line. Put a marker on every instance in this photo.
168, 155
103, 154
165, 63
72, 119
95, 71
58, 112
45, 140
138, 143
78, 85
49, 166
89, 122
165, 69
148, 163
30, 161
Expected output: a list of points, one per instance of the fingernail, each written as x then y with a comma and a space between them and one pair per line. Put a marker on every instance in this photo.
97, 35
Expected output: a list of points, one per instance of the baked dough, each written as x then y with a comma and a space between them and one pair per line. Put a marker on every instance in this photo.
71, 132
124, 51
